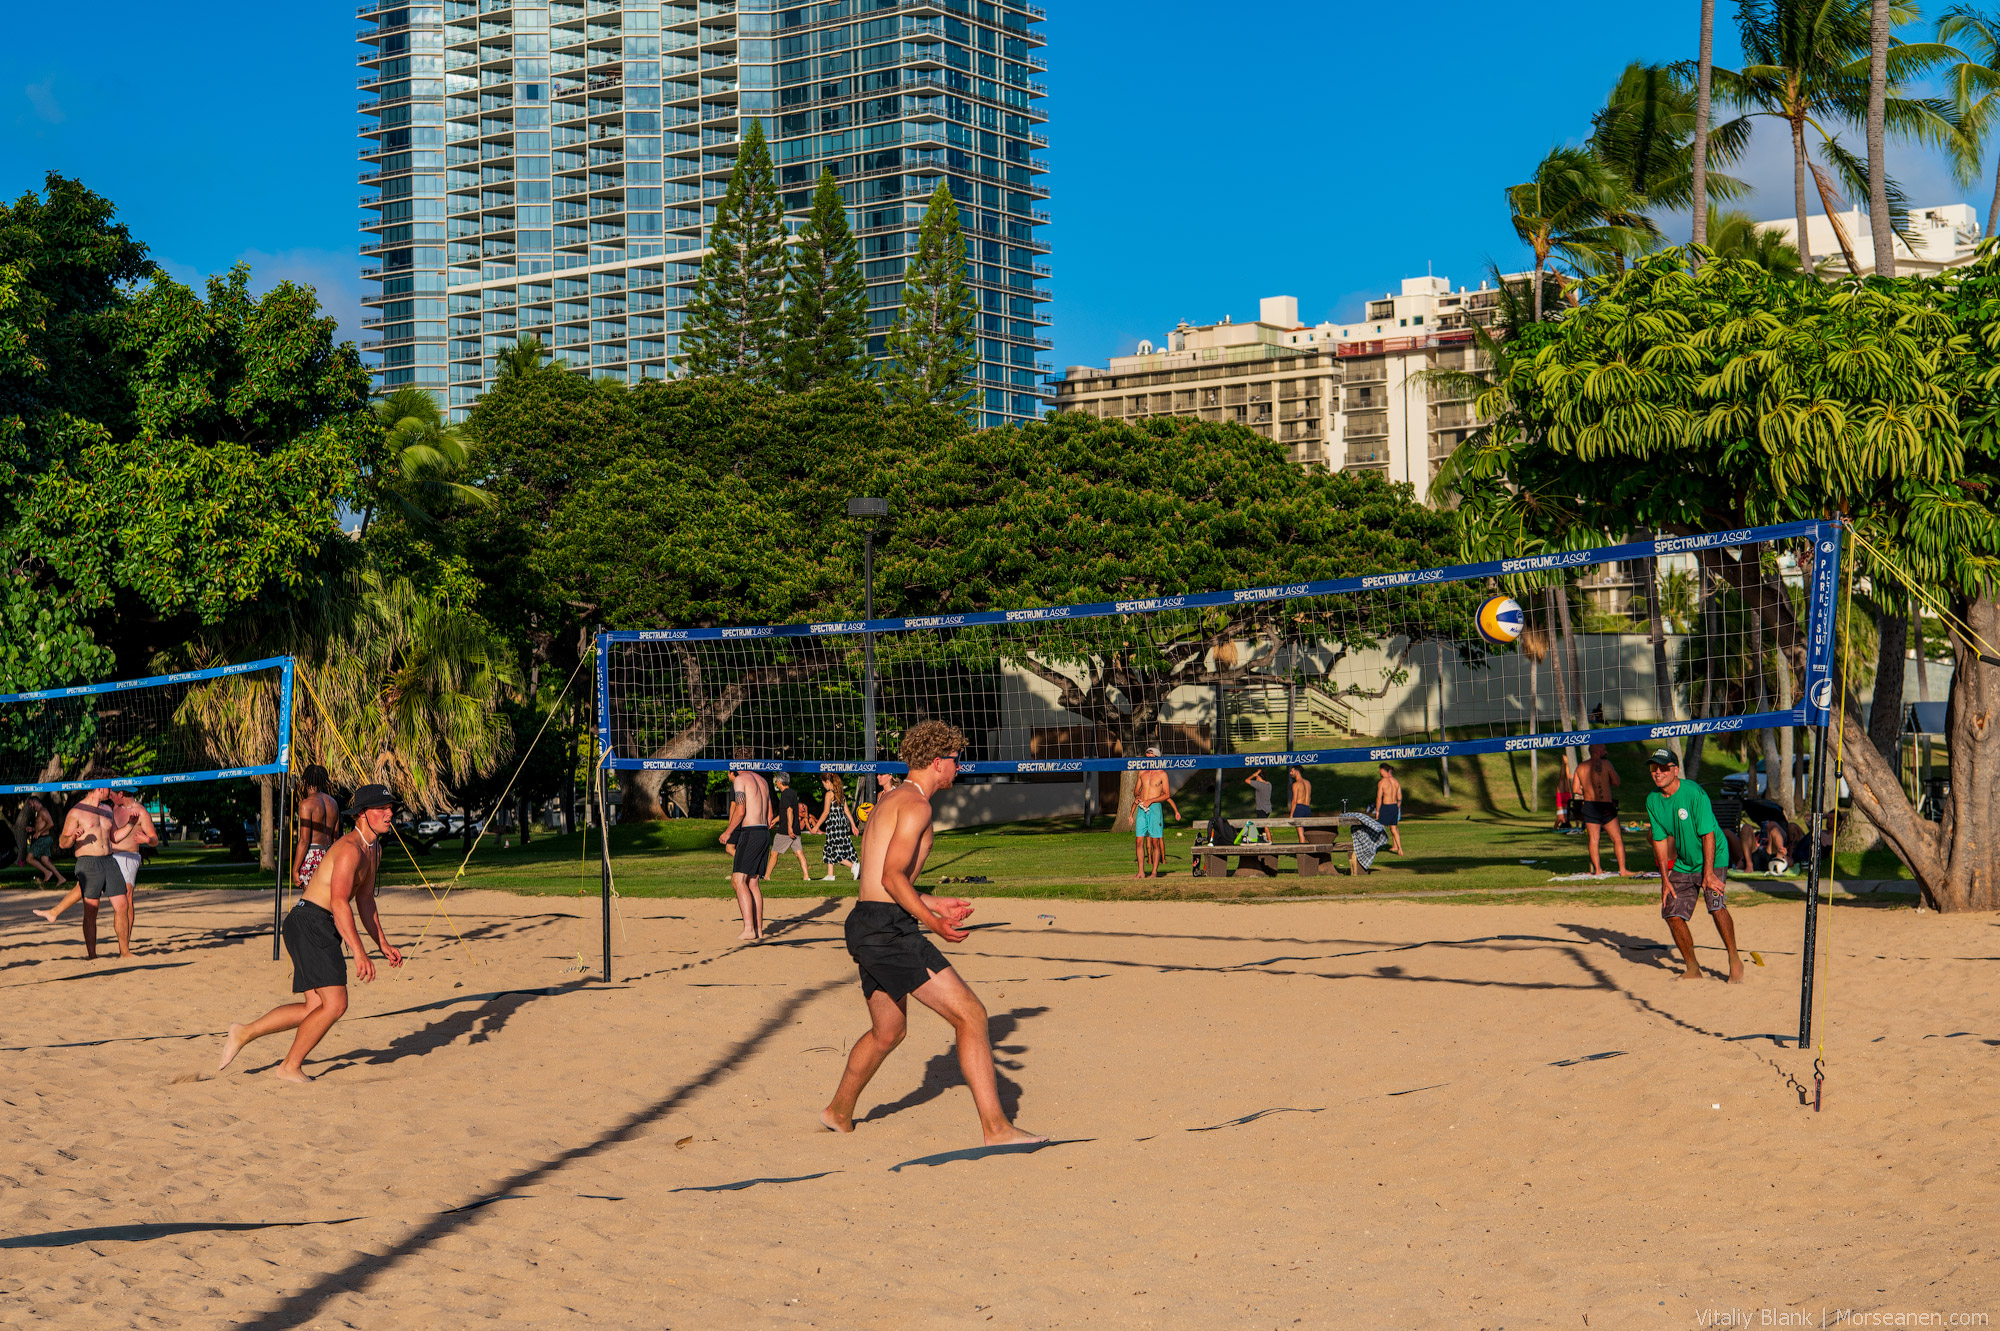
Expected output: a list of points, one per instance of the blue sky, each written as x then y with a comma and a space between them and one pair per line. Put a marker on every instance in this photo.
1203, 154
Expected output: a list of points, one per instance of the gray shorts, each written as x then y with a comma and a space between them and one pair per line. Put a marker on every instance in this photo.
1687, 889
784, 845
99, 876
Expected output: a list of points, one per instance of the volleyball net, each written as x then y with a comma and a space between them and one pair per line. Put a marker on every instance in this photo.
197, 725
1542, 651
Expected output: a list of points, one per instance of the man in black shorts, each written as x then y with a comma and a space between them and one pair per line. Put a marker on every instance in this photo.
314, 930
749, 833
885, 936
87, 830
1595, 800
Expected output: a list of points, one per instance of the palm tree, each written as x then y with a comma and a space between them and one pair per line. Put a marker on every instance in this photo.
525, 358
1646, 133
409, 696
1703, 86
424, 455
1807, 65
1576, 208
1975, 94
1736, 235
1881, 237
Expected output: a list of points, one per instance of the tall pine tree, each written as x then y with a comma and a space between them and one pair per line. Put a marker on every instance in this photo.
933, 344
733, 318
826, 308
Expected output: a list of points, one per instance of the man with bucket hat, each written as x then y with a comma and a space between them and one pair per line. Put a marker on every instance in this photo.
322, 920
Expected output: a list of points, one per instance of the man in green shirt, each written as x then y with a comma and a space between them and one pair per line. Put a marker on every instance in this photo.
1693, 856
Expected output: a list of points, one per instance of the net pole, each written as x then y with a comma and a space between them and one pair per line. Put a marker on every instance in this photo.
280, 810
1820, 756
868, 648
604, 864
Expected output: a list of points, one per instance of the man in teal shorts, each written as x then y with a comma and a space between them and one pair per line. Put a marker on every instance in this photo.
1693, 856
1149, 821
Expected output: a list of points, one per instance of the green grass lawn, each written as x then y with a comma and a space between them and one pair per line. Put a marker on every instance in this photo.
1480, 841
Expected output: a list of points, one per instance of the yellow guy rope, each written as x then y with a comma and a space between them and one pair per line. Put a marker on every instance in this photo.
326, 714
501, 803
1937, 607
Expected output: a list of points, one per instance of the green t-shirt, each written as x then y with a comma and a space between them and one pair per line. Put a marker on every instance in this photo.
1684, 817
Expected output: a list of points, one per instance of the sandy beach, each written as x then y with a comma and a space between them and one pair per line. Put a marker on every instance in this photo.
1357, 1113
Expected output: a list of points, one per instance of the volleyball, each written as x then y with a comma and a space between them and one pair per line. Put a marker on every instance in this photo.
1501, 621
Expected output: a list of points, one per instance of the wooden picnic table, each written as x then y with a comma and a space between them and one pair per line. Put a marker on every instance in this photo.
1314, 855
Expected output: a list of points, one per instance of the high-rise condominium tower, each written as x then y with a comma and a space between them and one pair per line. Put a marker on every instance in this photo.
553, 168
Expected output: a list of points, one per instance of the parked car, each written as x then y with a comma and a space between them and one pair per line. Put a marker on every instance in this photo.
430, 827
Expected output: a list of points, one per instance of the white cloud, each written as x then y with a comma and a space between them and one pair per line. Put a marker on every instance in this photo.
42, 97
336, 277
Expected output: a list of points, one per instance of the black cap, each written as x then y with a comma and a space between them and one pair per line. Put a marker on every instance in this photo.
371, 797
1663, 758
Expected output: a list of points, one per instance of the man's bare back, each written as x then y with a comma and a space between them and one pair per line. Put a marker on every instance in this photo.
1597, 779
319, 819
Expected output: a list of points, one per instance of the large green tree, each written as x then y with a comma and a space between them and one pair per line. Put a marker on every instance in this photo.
932, 346
826, 302
1728, 397
734, 318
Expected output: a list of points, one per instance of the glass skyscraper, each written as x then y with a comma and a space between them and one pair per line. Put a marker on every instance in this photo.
553, 168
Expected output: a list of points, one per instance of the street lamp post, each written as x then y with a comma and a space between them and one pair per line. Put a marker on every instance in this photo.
872, 510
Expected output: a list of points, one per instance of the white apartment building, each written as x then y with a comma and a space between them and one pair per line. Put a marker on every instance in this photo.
1343, 395
1939, 238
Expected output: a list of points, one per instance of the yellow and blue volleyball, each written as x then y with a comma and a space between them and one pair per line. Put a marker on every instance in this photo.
1501, 620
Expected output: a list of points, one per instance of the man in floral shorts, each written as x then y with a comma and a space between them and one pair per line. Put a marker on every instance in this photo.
1693, 856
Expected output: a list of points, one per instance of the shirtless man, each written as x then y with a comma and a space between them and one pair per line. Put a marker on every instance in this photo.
314, 930
749, 830
1388, 806
319, 824
41, 843
1596, 802
885, 936
1149, 824
87, 830
131, 828
1302, 799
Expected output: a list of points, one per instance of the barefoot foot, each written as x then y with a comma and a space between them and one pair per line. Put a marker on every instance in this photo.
746, 937
1013, 1137
1691, 975
283, 1073
1736, 973
49, 914
836, 1122
231, 1046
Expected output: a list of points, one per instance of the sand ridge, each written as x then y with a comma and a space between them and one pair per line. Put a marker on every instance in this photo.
1319, 1114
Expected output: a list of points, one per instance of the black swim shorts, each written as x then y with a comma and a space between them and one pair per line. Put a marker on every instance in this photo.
314, 944
1598, 812
753, 851
99, 876
891, 949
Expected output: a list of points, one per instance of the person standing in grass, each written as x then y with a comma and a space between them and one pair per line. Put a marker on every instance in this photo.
790, 829
838, 828
1301, 799
1693, 860
1149, 827
1260, 786
1388, 806
1596, 803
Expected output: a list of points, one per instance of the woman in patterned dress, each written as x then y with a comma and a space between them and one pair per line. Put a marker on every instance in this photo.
839, 829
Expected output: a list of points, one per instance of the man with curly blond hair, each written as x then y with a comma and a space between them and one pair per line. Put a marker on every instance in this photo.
885, 936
